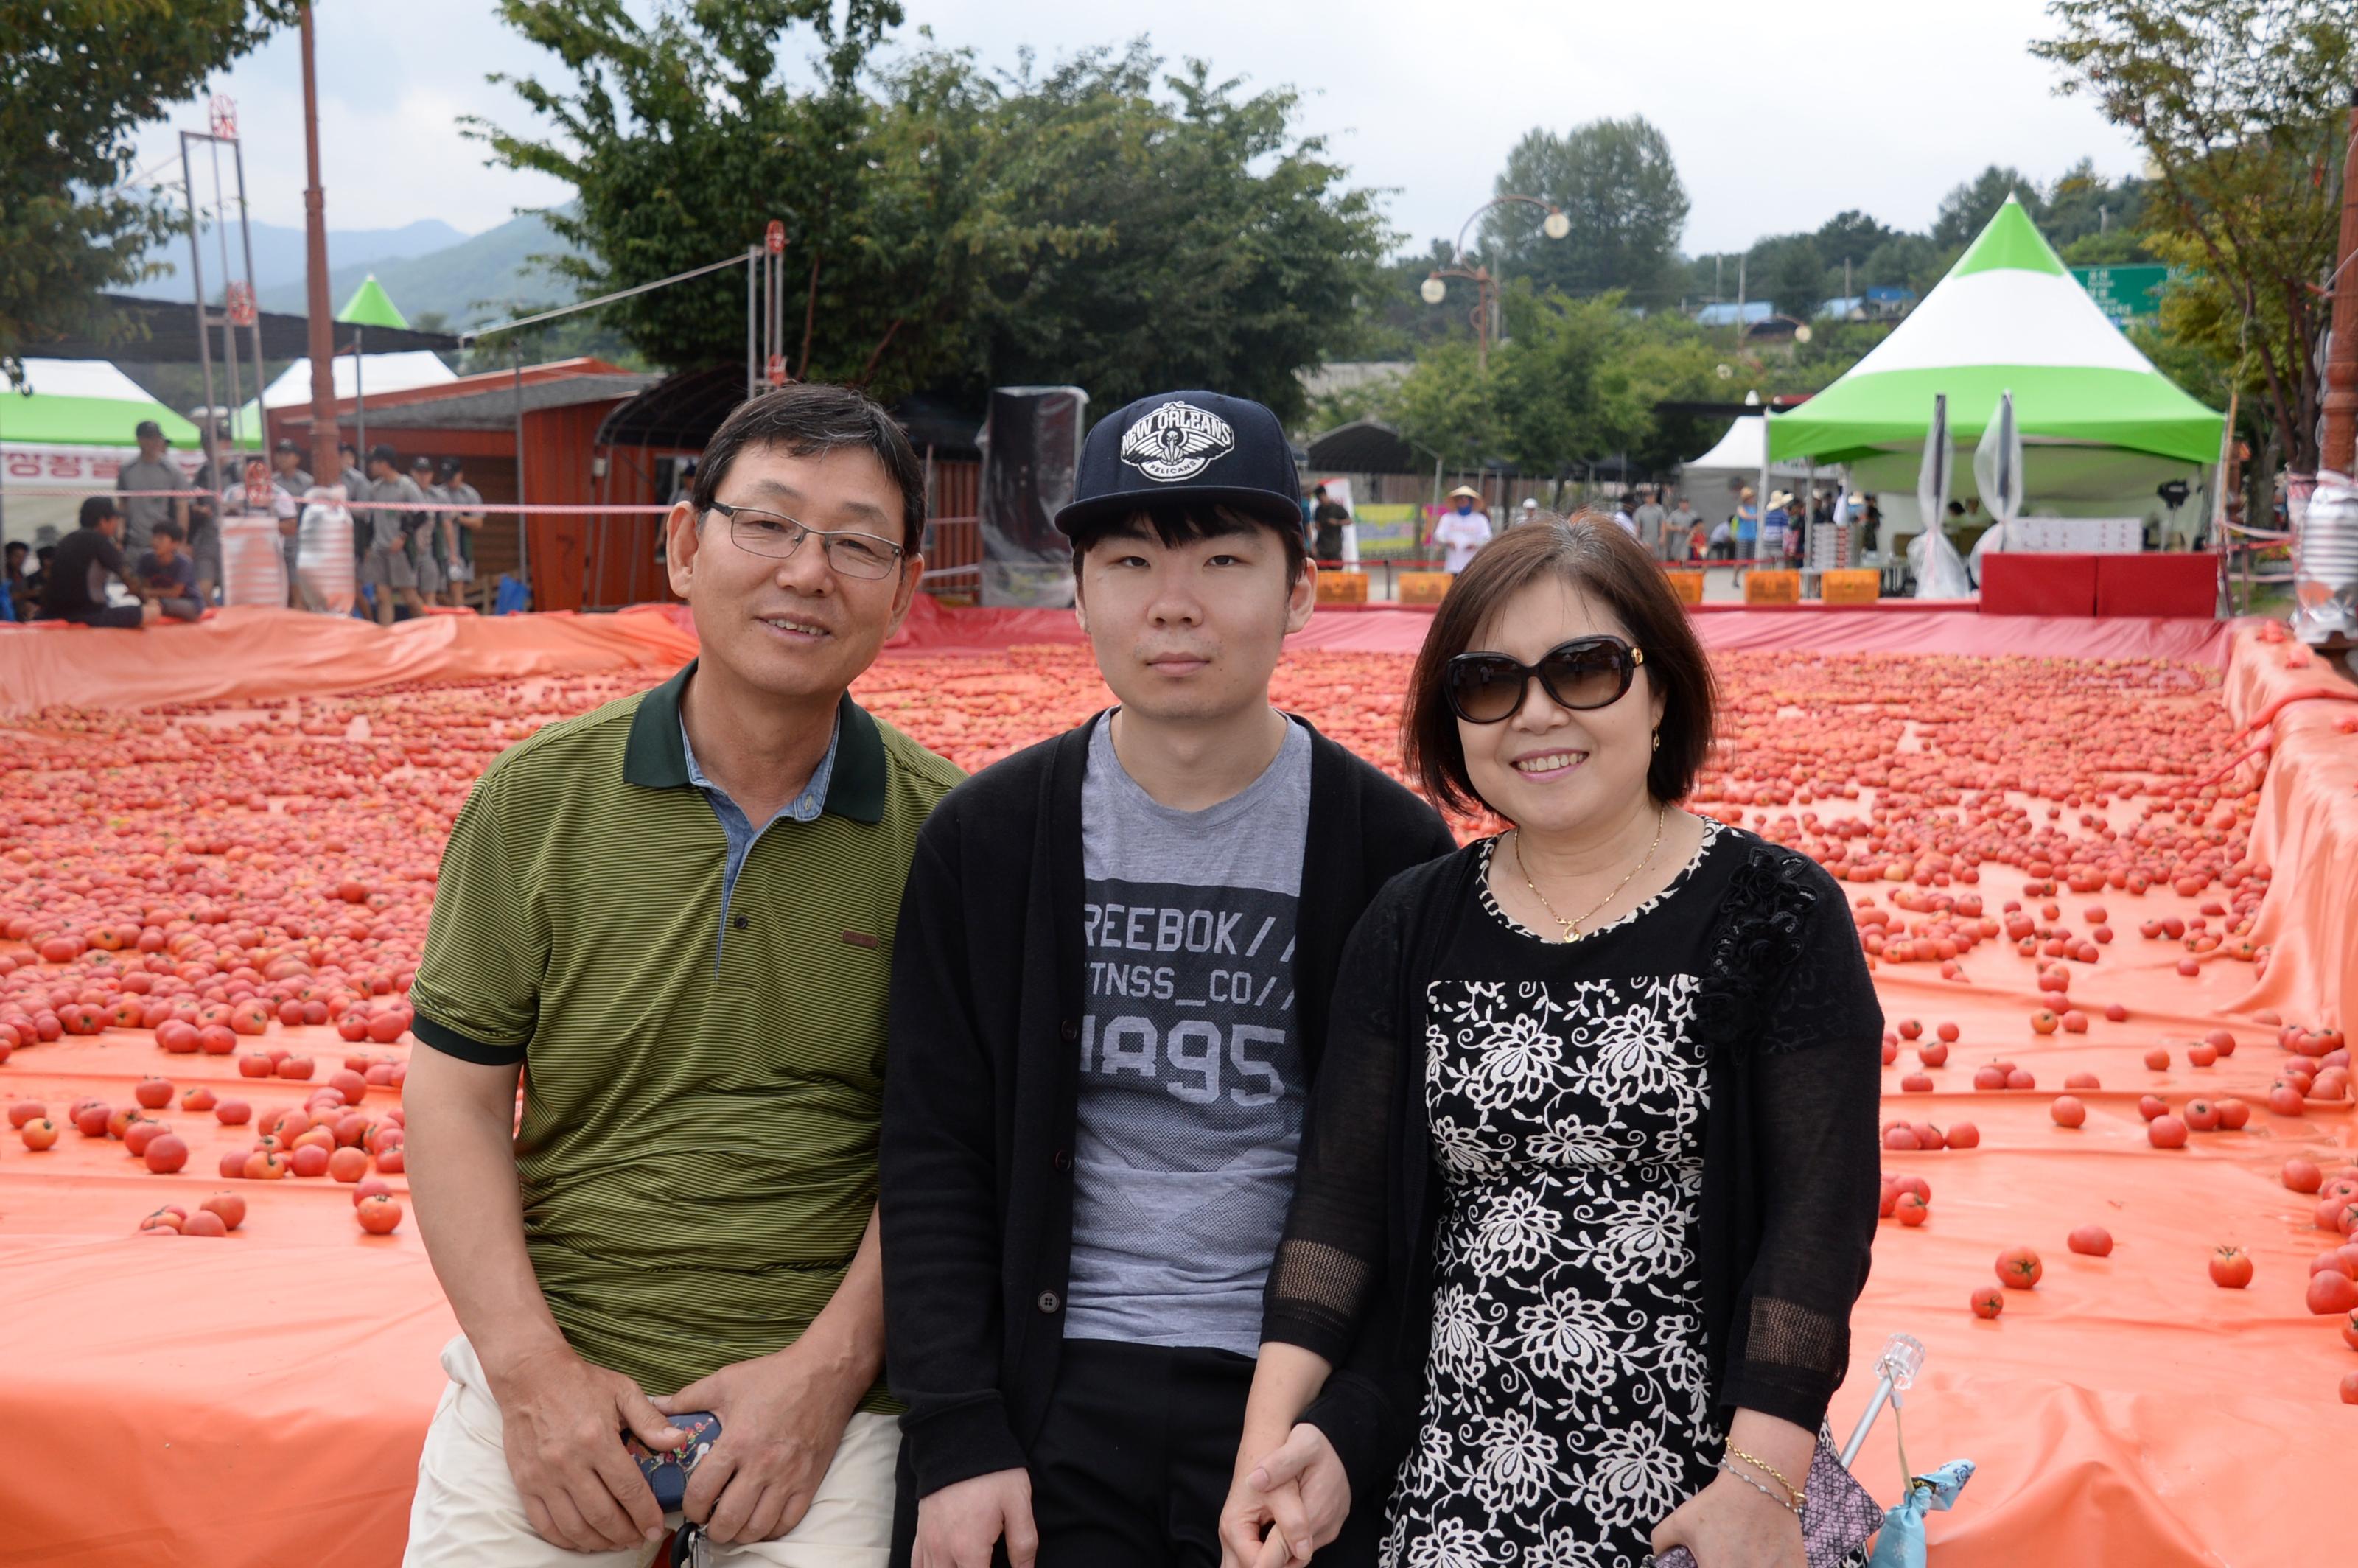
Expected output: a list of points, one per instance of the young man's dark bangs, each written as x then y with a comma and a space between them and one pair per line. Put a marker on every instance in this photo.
1176, 526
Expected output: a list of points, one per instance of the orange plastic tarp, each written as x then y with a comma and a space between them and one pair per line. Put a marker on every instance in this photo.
261, 1398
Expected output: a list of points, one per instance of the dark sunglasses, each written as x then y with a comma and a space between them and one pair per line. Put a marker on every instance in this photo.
1585, 673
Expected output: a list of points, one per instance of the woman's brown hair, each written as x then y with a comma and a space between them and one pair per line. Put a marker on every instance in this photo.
1593, 555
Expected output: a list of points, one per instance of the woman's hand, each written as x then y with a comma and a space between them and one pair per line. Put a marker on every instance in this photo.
1730, 1525
1297, 1493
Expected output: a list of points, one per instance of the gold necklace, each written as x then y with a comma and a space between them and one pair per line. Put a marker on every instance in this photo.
1571, 927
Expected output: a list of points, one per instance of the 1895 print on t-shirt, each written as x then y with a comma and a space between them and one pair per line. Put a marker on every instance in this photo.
1191, 1075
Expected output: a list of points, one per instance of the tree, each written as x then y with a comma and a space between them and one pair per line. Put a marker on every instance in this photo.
1179, 237
1851, 236
1787, 270
76, 78
1968, 208
2239, 107
683, 141
1448, 408
1616, 182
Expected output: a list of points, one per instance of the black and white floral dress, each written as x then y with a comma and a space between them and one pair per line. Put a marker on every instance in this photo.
1567, 1410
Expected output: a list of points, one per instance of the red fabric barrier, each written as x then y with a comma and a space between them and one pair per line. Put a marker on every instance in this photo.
2041, 584
2307, 824
2172, 582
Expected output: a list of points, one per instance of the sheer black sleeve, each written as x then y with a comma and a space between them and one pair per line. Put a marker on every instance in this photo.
1813, 1055
1333, 1288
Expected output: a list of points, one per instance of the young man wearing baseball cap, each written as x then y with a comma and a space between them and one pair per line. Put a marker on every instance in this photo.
1110, 996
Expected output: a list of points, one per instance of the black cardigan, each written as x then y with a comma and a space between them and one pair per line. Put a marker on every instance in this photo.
988, 994
1792, 1034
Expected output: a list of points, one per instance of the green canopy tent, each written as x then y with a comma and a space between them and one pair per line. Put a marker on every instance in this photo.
2101, 428
72, 430
369, 306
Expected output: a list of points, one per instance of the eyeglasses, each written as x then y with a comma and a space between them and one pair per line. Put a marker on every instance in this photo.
769, 534
1585, 673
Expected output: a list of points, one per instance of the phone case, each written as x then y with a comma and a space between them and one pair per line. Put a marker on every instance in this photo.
668, 1473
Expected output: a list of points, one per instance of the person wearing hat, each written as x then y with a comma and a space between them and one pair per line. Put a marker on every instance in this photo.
1110, 997
150, 470
1747, 528
1773, 523
1528, 513
450, 477
1461, 531
389, 567
74, 588
425, 533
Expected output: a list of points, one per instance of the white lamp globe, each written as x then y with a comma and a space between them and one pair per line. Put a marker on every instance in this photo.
1434, 290
1556, 225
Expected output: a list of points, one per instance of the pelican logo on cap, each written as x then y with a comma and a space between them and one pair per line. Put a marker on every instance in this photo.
1176, 441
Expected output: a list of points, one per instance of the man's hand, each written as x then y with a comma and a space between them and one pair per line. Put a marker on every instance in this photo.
958, 1526
563, 1421
781, 1418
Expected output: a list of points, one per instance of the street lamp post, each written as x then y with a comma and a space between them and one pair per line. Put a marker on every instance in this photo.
1434, 290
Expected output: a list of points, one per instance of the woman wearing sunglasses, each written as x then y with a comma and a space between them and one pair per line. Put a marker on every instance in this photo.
1588, 1189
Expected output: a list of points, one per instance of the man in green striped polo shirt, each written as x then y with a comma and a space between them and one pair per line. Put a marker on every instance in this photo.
673, 918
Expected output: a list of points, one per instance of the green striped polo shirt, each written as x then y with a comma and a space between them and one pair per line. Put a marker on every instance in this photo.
698, 1152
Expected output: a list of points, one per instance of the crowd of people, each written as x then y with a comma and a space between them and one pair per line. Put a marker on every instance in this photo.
153, 549
1166, 1146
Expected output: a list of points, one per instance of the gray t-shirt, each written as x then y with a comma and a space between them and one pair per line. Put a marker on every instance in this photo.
1649, 524
141, 513
1192, 1076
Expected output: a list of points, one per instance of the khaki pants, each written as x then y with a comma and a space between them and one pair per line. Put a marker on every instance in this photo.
467, 1513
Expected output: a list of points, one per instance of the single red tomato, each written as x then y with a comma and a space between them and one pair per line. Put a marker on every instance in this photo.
2044, 1021
2332, 1295
1964, 1135
1910, 1029
310, 1159
379, 1215
39, 1133
1989, 1302
391, 1160
2231, 1268
1916, 1084
2349, 1387
166, 1153
2090, 1242
233, 1164
2157, 1059
2350, 1331
2301, 1175
2018, 1269
2152, 1106
2166, 1133
2234, 1113
1910, 1209
2115, 1012
27, 1110
1933, 1055
371, 1188
2201, 1116
2081, 1081
2068, 1111
230, 1206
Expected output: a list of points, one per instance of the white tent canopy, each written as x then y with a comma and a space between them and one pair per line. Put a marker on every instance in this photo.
383, 373
1710, 481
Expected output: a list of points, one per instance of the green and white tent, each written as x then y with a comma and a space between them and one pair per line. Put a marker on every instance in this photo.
2101, 427
71, 432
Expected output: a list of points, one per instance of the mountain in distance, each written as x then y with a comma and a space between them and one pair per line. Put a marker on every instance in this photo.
481, 278
278, 255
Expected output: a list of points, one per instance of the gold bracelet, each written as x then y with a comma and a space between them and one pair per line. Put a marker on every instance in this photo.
1762, 1465
1794, 1508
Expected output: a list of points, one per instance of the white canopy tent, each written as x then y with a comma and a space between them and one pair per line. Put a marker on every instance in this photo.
1710, 481
383, 373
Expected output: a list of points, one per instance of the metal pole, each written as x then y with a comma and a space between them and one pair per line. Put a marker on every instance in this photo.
254, 328
229, 332
524, 539
753, 366
322, 333
197, 274
360, 396
2339, 450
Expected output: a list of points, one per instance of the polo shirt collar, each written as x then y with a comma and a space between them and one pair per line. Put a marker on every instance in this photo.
655, 757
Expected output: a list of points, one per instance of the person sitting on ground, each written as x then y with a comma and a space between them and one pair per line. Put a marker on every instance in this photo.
36, 582
165, 575
388, 568
76, 588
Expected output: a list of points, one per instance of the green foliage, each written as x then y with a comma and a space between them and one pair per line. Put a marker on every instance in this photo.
76, 78
1179, 237
1100, 223
2239, 105
1619, 185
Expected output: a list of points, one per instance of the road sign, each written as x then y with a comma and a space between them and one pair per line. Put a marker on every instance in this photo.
2127, 294
775, 237
224, 116
777, 370
241, 305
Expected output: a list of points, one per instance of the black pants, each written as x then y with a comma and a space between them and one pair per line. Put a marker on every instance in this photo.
123, 616
1132, 1463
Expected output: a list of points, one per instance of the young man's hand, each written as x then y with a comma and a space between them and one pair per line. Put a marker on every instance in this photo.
562, 1424
958, 1526
1290, 1503
781, 1418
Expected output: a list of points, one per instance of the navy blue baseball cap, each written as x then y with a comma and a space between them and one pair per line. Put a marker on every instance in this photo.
1186, 448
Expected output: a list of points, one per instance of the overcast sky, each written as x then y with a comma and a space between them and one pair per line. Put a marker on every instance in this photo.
1779, 115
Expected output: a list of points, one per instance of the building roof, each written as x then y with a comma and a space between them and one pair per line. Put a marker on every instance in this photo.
494, 408
163, 331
